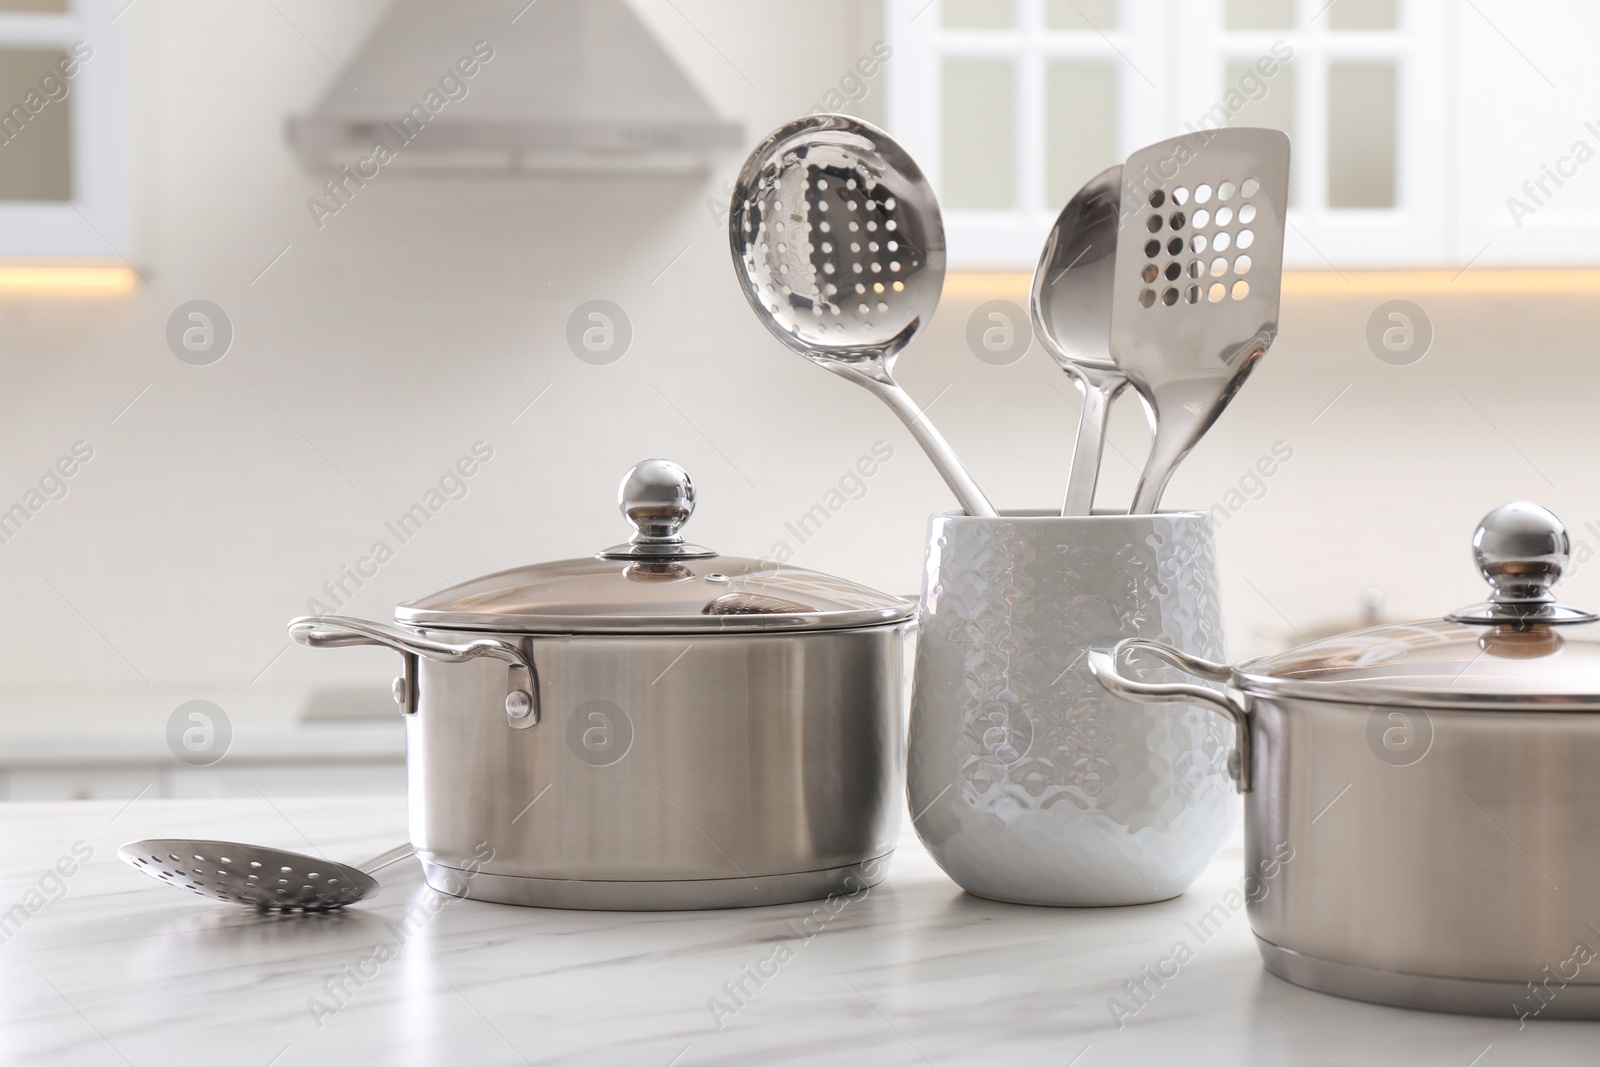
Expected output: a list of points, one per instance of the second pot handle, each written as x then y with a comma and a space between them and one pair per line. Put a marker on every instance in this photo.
1232, 703
338, 631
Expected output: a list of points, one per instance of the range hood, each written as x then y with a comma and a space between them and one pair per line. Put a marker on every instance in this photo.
506, 84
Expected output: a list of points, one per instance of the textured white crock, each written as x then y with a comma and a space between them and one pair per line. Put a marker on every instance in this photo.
1028, 782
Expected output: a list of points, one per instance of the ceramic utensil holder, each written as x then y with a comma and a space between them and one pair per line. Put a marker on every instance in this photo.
1028, 782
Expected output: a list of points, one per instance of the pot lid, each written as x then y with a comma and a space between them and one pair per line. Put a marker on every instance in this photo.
656, 582
1520, 649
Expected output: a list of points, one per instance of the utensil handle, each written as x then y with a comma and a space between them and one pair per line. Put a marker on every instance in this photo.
1232, 703
387, 859
339, 631
1165, 455
937, 448
1084, 470
1168, 449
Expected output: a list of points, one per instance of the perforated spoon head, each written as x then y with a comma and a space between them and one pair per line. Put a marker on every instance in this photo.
837, 240
258, 877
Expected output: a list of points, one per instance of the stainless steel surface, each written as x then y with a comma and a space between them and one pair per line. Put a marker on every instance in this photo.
340, 631
1436, 845
838, 244
1424, 854
1521, 549
518, 705
1070, 304
663, 759
1198, 271
698, 894
1532, 654
576, 83
266, 878
1480, 860
1032, 784
1433, 663
657, 498
1234, 706
1461, 996
728, 726
654, 583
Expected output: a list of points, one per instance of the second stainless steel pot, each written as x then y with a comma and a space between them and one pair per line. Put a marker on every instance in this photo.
1422, 801
654, 727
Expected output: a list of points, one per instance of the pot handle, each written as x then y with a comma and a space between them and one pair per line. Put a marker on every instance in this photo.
1232, 703
339, 631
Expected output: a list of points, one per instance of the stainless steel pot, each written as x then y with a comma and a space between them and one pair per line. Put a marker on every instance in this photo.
1423, 801
653, 727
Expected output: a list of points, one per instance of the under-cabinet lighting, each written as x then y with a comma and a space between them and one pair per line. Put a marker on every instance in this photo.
1477, 281
67, 279
1480, 281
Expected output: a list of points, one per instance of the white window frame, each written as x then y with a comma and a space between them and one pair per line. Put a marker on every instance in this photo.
1419, 230
1181, 47
993, 239
95, 223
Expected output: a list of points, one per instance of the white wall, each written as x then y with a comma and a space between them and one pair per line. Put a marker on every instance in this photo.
407, 329
392, 339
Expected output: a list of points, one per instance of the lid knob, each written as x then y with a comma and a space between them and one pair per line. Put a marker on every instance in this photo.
1521, 549
656, 497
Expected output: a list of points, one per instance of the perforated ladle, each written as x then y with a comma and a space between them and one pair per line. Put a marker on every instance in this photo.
839, 247
259, 877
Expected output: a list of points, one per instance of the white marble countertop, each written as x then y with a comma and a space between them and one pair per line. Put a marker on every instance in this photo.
106, 966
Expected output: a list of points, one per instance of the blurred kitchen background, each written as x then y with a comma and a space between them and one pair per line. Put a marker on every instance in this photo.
252, 374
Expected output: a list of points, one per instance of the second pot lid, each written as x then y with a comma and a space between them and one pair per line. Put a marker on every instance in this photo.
1520, 650
655, 583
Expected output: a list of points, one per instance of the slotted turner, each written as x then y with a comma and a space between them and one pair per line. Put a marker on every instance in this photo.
258, 877
1198, 272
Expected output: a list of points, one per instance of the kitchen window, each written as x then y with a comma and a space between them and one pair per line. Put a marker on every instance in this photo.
63, 143
1013, 104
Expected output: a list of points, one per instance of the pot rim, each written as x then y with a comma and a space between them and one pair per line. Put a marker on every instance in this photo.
1337, 692
1040, 515
691, 626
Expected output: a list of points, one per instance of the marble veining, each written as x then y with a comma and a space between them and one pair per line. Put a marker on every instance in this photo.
115, 968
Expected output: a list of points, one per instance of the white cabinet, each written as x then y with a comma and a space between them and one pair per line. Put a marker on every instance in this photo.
64, 181
1426, 133
1527, 162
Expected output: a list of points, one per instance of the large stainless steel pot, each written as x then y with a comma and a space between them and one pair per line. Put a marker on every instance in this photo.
653, 727
1423, 801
